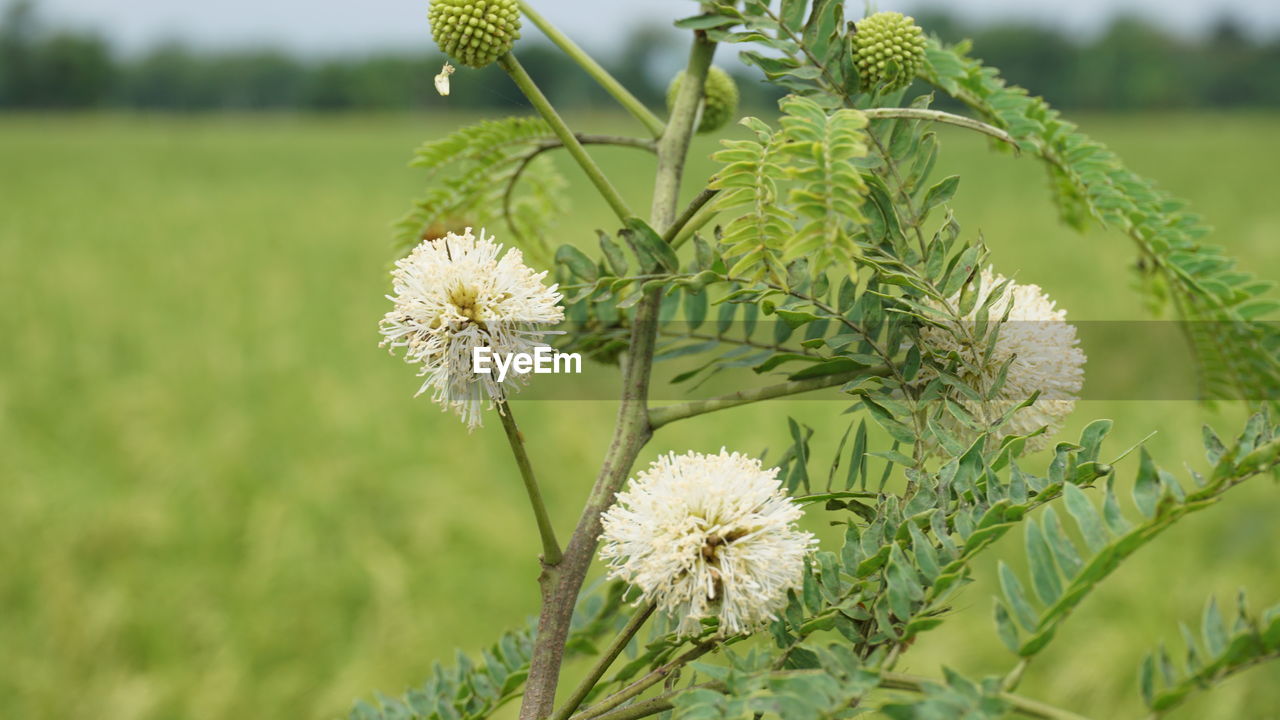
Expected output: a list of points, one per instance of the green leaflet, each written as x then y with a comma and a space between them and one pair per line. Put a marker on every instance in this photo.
794, 192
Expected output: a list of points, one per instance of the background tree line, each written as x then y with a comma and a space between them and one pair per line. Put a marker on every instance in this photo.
1131, 65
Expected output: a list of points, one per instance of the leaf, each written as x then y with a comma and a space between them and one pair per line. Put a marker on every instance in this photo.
647, 241
1214, 629
1064, 550
577, 262
939, 194
1005, 628
1012, 589
1044, 574
1146, 489
613, 254
1086, 517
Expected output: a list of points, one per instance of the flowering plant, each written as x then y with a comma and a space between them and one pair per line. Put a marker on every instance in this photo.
829, 222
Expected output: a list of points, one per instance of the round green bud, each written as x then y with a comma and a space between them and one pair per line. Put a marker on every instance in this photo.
888, 49
721, 102
474, 32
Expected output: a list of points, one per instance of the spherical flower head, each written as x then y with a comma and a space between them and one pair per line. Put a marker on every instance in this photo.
1046, 358
720, 104
458, 293
708, 536
474, 32
888, 49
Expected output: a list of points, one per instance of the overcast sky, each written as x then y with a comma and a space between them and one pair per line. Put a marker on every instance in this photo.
328, 26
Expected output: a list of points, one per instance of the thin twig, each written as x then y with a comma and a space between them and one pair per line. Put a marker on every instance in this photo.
677, 227
653, 677
605, 660
552, 144
550, 547
942, 117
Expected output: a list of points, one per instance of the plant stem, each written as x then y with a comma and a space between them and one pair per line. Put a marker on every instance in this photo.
602, 664
550, 548
1025, 707
686, 215
550, 144
522, 80
644, 708
560, 583
942, 117
595, 70
660, 416
653, 677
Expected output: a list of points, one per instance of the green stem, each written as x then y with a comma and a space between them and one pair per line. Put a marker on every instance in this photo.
683, 227
550, 548
653, 677
555, 144
660, 416
595, 70
1014, 676
644, 708
522, 80
1023, 706
942, 117
602, 664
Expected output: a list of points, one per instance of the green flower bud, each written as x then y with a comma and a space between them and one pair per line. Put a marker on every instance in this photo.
474, 32
721, 103
888, 49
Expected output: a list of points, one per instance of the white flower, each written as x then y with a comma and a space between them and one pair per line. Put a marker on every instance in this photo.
457, 293
708, 536
1045, 352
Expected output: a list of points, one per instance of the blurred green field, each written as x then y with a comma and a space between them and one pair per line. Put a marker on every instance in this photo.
220, 499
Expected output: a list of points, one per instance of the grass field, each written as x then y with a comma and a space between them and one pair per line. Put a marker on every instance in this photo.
221, 501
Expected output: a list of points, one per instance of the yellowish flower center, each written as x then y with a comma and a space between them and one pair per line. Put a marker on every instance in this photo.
465, 299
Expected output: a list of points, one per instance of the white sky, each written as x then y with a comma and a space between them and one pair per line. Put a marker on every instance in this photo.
329, 26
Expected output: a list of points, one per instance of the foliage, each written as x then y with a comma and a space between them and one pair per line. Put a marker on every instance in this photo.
1220, 653
832, 226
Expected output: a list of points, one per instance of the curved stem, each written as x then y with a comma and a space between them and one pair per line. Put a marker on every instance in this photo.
550, 548
522, 80
552, 144
691, 211
660, 416
602, 664
595, 70
941, 117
